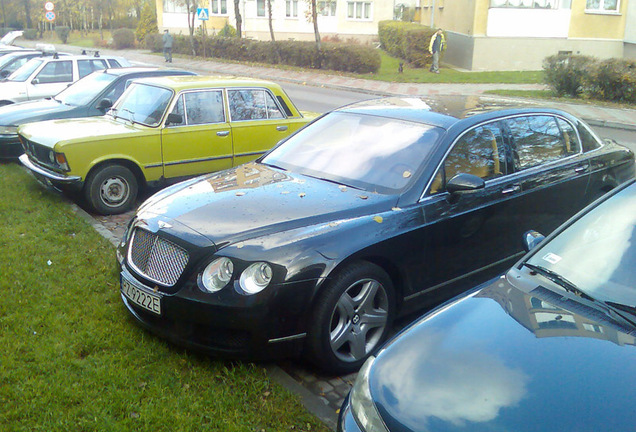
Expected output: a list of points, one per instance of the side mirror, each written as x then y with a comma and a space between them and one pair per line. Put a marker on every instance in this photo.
464, 183
35, 81
104, 104
174, 119
531, 239
4, 74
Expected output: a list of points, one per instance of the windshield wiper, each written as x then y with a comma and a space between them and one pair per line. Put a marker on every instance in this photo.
559, 280
615, 310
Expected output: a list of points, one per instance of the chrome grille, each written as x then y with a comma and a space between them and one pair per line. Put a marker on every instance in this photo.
156, 258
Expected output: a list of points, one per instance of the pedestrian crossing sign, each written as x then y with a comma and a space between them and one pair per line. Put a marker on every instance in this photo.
202, 14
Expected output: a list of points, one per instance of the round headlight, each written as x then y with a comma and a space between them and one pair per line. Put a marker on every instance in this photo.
256, 277
217, 274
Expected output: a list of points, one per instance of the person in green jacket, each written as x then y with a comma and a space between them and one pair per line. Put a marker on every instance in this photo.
438, 43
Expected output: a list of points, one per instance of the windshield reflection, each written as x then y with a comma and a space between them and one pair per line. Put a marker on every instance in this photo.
598, 252
143, 104
84, 90
369, 152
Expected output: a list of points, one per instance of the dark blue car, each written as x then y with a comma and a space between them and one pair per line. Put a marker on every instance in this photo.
92, 95
551, 345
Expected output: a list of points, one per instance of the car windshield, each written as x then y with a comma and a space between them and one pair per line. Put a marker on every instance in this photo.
86, 89
373, 153
23, 73
143, 104
597, 254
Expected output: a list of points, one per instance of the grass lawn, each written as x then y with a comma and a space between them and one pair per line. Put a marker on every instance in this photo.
72, 360
550, 95
389, 72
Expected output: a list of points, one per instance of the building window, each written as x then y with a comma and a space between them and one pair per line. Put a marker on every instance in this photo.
327, 8
359, 10
260, 8
291, 8
219, 7
527, 4
174, 6
602, 6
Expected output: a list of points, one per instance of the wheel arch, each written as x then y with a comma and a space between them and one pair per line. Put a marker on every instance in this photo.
127, 163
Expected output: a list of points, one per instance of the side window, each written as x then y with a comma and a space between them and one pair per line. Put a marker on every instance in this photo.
114, 63
536, 140
480, 152
178, 109
117, 90
86, 67
204, 107
588, 141
56, 72
572, 145
253, 104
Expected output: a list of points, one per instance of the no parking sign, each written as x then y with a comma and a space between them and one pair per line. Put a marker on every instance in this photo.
50, 16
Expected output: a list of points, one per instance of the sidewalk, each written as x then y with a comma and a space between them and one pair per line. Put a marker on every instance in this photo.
594, 115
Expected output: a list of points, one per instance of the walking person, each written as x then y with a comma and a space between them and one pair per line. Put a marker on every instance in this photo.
167, 46
438, 43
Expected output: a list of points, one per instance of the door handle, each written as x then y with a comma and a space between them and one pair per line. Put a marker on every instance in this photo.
282, 128
581, 168
223, 133
511, 189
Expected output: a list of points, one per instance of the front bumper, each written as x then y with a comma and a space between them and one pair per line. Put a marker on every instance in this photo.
10, 147
48, 176
249, 332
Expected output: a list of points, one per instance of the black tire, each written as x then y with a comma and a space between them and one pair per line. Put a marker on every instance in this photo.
344, 329
111, 189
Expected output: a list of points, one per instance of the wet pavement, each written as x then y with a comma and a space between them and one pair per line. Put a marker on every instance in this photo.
320, 393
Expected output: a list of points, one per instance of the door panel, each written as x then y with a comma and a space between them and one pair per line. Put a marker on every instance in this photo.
202, 142
54, 77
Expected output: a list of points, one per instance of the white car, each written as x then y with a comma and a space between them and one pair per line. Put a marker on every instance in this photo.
47, 76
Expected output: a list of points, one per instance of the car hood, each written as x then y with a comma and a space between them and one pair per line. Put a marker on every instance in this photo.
70, 131
507, 360
253, 200
26, 112
10, 90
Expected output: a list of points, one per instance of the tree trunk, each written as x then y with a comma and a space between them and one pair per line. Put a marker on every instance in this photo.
239, 20
314, 18
269, 17
27, 12
191, 14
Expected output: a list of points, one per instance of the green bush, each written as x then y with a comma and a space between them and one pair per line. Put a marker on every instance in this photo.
408, 41
227, 31
123, 38
613, 80
567, 74
30, 34
154, 42
62, 32
340, 57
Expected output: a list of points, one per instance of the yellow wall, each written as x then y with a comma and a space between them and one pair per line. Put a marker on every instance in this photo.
590, 25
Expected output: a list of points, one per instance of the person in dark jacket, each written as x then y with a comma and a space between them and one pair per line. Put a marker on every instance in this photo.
438, 43
167, 46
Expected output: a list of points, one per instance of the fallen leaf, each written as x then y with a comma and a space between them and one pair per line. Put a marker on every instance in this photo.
363, 196
302, 194
240, 193
378, 219
406, 174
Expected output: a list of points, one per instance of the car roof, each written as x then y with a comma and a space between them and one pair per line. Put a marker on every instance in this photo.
179, 83
432, 112
138, 69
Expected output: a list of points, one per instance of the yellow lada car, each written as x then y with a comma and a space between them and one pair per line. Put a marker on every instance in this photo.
160, 131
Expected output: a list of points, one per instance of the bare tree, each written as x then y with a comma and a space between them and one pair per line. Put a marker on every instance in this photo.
239, 20
27, 13
269, 16
312, 16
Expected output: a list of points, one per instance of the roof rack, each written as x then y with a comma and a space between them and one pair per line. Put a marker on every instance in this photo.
95, 52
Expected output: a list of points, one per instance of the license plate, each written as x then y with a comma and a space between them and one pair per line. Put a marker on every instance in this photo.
142, 298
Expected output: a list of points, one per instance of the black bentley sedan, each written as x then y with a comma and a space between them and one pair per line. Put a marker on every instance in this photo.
91, 96
371, 211
551, 345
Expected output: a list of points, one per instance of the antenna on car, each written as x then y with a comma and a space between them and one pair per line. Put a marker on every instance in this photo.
83, 52
96, 53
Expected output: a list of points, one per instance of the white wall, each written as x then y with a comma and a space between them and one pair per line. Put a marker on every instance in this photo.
511, 22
